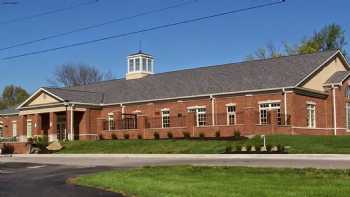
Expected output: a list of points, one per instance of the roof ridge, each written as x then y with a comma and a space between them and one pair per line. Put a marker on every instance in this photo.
76, 90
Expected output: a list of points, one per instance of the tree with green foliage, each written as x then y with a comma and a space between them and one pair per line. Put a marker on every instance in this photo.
13, 95
330, 37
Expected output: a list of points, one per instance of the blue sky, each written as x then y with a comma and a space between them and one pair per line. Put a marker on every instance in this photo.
221, 40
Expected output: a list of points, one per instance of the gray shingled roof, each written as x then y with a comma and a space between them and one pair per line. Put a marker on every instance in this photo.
11, 110
244, 76
77, 95
338, 77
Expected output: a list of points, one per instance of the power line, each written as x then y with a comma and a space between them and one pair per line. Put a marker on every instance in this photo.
49, 12
145, 30
180, 4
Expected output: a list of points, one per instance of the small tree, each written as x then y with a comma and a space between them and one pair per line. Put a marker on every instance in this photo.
13, 95
68, 75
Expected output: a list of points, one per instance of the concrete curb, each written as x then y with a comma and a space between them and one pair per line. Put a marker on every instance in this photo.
330, 157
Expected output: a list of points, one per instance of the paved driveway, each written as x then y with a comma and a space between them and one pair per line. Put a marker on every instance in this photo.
38, 180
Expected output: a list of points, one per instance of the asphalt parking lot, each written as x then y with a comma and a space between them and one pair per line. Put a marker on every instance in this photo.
41, 180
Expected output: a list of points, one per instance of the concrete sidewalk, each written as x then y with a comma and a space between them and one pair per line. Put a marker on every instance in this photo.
326, 161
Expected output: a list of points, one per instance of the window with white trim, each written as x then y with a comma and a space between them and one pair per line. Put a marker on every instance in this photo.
131, 65
165, 118
347, 92
111, 122
311, 115
1, 129
231, 114
14, 128
264, 110
201, 115
137, 64
29, 128
144, 64
149, 65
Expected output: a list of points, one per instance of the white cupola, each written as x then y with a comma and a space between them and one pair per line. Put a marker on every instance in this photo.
139, 65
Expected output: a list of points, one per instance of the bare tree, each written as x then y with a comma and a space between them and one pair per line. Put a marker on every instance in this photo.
68, 75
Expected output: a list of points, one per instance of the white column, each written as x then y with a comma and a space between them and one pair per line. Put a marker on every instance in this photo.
72, 123
334, 111
285, 107
212, 109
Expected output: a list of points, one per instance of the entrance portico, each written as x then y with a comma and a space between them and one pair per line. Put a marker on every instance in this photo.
45, 114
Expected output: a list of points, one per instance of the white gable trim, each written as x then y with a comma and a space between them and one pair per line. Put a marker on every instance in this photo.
325, 62
36, 93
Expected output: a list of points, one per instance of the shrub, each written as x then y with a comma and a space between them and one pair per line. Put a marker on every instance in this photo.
139, 136
100, 136
170, 135
41, 142
114, 136
30, 140
228, 149
156, 135
281, 148
217, 134
202, 135
7, 149
186, 135
268, 147
249, 147
126, 136
238, 148
237, 134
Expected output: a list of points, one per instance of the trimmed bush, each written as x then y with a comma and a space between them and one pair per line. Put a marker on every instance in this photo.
170, 135
126, 136
186, 135
238, 148
7, 149
237, 134
268, 147
217, 134
202, 135
156, 135
100, 136
228, 149
139, 136
114, 136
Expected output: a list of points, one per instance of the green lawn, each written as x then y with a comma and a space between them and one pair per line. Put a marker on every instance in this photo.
297, 144
221, 181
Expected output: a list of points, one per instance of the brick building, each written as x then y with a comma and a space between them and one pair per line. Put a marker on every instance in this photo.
301, 94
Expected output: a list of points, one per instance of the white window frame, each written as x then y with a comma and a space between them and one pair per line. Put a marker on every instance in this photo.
230, 114
201, 115
311, 115
165, 118
29, 128
14, 128
111, 122
268, 106
347, 112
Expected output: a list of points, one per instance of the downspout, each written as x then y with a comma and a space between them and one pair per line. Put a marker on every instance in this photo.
212, 109
285, 106
334, 111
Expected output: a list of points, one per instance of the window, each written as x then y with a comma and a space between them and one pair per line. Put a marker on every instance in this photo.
131, 65
111, 122
264, 109
348, 116
1, 129
165, 119
311, 115
14, 128
231, 115
347, 92
144, 64
149, 64
201, 115
137, 64
29, 128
